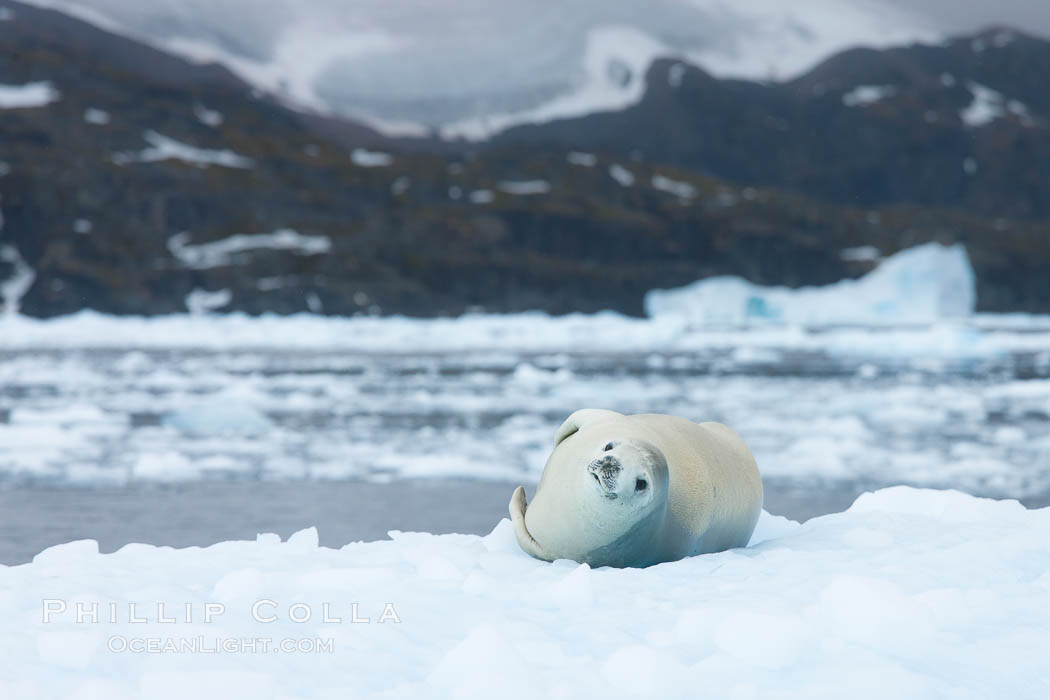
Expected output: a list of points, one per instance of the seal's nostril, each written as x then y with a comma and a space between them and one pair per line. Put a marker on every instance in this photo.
609, 446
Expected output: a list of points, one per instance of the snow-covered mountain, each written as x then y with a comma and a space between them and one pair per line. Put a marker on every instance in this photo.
471, 67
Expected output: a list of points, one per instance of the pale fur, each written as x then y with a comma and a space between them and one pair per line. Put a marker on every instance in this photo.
706, 492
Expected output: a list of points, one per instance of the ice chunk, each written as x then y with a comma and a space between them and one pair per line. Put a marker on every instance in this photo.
67, 553
919, 285
219, 416
305, 539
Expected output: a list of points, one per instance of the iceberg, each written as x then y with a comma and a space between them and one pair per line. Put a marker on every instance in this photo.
924, 284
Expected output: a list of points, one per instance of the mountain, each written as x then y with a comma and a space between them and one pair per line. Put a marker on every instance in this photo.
964, 124
137, 182
466, 68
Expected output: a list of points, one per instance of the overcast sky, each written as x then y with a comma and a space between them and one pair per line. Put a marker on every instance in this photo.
1032, 16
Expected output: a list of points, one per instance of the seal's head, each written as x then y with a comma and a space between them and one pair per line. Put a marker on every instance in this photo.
622, 500
624, 472
603, 497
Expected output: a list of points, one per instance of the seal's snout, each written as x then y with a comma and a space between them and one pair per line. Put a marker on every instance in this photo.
606, 471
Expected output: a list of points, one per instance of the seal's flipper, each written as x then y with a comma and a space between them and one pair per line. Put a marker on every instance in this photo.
580, 418
517, 517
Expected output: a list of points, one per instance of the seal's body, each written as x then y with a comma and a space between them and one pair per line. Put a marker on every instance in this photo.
638, 490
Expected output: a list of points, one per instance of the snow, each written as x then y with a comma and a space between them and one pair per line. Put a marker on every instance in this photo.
864, 95
682, 190
412, 66
96, 116
164, 148
525, 187
208, 117
908, 593
587, 160
82, 226
36, 94
675, 74
482, 197
225, 250
918, 285
14, 287
615, 59
201, 301
986, 107
400, 185
621, 174
370, 159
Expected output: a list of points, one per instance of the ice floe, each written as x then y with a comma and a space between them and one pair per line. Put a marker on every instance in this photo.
908, 593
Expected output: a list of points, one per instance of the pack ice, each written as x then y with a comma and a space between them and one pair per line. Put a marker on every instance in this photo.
907, 594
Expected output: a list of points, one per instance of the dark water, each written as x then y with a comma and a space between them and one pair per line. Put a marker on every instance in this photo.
200, 514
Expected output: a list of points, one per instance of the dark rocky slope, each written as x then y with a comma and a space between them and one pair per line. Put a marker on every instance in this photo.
963, 125
112, 214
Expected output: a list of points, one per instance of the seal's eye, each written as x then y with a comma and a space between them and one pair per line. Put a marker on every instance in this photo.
640, 484
608, 446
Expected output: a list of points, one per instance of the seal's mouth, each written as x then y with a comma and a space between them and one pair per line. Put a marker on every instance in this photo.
606, 472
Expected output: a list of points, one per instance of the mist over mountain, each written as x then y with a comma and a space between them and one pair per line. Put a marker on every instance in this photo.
468, 67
